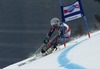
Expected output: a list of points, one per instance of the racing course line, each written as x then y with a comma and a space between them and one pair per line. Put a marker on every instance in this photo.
65, 62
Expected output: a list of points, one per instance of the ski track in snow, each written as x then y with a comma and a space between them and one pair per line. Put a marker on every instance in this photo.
65, 62
71, 57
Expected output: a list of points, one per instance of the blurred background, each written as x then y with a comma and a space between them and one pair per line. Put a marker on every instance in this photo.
25, 23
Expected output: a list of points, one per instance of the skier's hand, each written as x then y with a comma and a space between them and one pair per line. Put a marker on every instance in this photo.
59, 32
46, 40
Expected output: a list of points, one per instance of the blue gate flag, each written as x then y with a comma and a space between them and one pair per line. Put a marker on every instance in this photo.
72, 12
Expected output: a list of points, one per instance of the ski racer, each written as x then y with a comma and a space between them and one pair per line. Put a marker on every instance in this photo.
64, 32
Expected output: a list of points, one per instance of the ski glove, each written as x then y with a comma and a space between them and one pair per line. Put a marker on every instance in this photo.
46, 40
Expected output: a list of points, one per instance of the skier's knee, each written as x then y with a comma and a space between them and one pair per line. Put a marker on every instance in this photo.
42, 51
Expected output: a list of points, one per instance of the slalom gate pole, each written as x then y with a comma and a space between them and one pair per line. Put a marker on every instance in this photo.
85, 20
62, 22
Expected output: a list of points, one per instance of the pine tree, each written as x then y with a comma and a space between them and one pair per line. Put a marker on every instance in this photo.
97, 17
79, 31
98, 1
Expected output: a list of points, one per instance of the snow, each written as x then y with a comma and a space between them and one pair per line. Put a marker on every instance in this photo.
81, 53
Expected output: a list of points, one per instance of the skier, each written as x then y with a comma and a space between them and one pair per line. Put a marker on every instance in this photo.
63, 34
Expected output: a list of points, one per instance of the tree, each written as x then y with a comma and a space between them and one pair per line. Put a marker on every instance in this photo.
97, 17
79, 31
97, 24
97, 1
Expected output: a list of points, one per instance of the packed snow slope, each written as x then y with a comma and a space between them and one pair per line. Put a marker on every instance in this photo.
81, 53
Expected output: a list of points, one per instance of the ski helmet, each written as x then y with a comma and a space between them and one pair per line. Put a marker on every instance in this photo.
55, 21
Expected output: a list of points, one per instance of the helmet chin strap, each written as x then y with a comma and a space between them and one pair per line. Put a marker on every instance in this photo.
58, 24
52, 23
